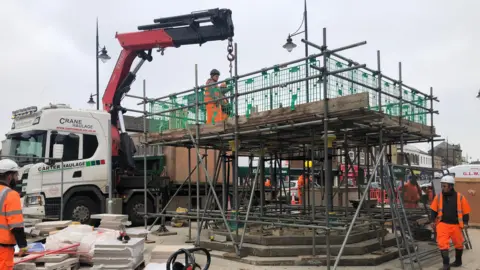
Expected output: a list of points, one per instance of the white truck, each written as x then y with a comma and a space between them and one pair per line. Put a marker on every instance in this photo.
83, 134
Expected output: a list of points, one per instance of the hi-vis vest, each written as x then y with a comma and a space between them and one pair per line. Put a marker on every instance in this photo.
212, 92
10, 215
462, 207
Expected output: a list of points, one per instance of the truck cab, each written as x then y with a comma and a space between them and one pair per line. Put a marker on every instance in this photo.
84, 175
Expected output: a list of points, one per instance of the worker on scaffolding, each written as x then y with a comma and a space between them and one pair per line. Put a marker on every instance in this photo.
411, 192
450, 214
217, 110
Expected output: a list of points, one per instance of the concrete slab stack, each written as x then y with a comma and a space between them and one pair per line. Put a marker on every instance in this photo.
113, 254
111, 221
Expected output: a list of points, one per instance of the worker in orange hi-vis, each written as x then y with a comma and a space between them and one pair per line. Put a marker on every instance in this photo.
429, 193
411, 193
268, 183
450, 213
11, 219
214, 108
301, 188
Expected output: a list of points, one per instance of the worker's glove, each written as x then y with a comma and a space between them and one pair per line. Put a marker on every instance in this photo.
22, 251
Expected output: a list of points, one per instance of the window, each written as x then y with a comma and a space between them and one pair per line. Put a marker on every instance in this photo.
26, 146
362, 158
71, 145
351, 155
30, 143
90, 145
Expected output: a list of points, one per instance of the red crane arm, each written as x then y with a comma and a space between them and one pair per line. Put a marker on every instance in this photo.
194, 28
132, 43
165, 32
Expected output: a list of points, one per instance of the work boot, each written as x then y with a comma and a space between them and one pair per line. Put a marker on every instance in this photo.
458, 258
446, 259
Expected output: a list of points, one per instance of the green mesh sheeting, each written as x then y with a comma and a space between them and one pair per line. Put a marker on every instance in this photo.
286, 92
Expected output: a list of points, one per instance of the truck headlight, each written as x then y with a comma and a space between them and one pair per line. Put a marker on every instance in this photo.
35, 199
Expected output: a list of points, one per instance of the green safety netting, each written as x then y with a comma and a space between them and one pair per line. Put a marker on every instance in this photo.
279, 87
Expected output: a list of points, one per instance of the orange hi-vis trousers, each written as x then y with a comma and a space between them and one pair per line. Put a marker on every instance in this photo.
6, 258
445, 232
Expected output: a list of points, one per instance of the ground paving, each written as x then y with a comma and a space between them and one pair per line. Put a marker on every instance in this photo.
471, 258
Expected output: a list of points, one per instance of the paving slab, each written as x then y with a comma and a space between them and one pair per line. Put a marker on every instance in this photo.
110, 217
114, 243
71, 262
161, 253
25, 266
120, 267
52, 225
52, 258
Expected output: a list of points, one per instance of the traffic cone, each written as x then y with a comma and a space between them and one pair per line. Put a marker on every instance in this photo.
229, 206
293, 202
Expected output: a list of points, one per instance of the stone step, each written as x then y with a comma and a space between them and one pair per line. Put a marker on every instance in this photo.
293, 240
371, 259
360, 248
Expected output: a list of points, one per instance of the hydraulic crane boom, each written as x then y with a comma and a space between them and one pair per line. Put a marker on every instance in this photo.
165, 32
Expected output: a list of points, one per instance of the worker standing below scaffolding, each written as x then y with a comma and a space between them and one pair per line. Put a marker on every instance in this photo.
450, 214
411, 192
216, 109
268, 183
301, 187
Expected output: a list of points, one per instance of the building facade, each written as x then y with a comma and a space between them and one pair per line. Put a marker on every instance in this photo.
451, 154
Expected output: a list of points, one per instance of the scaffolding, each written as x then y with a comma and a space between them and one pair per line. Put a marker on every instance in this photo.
307, 109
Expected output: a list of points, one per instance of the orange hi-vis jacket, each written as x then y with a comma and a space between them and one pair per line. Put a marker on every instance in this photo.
463, 208
214, 112
268, 183
11, 215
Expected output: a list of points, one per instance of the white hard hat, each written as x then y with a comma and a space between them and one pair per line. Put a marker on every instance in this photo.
448, 179
8, 165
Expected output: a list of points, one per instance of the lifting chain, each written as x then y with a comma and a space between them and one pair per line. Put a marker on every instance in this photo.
230, 55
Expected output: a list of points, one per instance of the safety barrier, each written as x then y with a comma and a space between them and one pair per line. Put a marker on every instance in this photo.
376, 194
286, 87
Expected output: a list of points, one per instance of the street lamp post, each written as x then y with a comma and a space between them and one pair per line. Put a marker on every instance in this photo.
91, 101
104, 57
289, 45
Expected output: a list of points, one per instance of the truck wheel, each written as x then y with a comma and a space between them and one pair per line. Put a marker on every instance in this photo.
135, 206
80, 209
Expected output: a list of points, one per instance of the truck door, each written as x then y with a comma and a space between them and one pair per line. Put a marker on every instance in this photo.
52, 175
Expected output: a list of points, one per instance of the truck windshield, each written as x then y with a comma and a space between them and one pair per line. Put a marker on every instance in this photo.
26, 147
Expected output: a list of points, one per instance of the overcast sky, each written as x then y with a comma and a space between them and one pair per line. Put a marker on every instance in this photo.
47, 49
